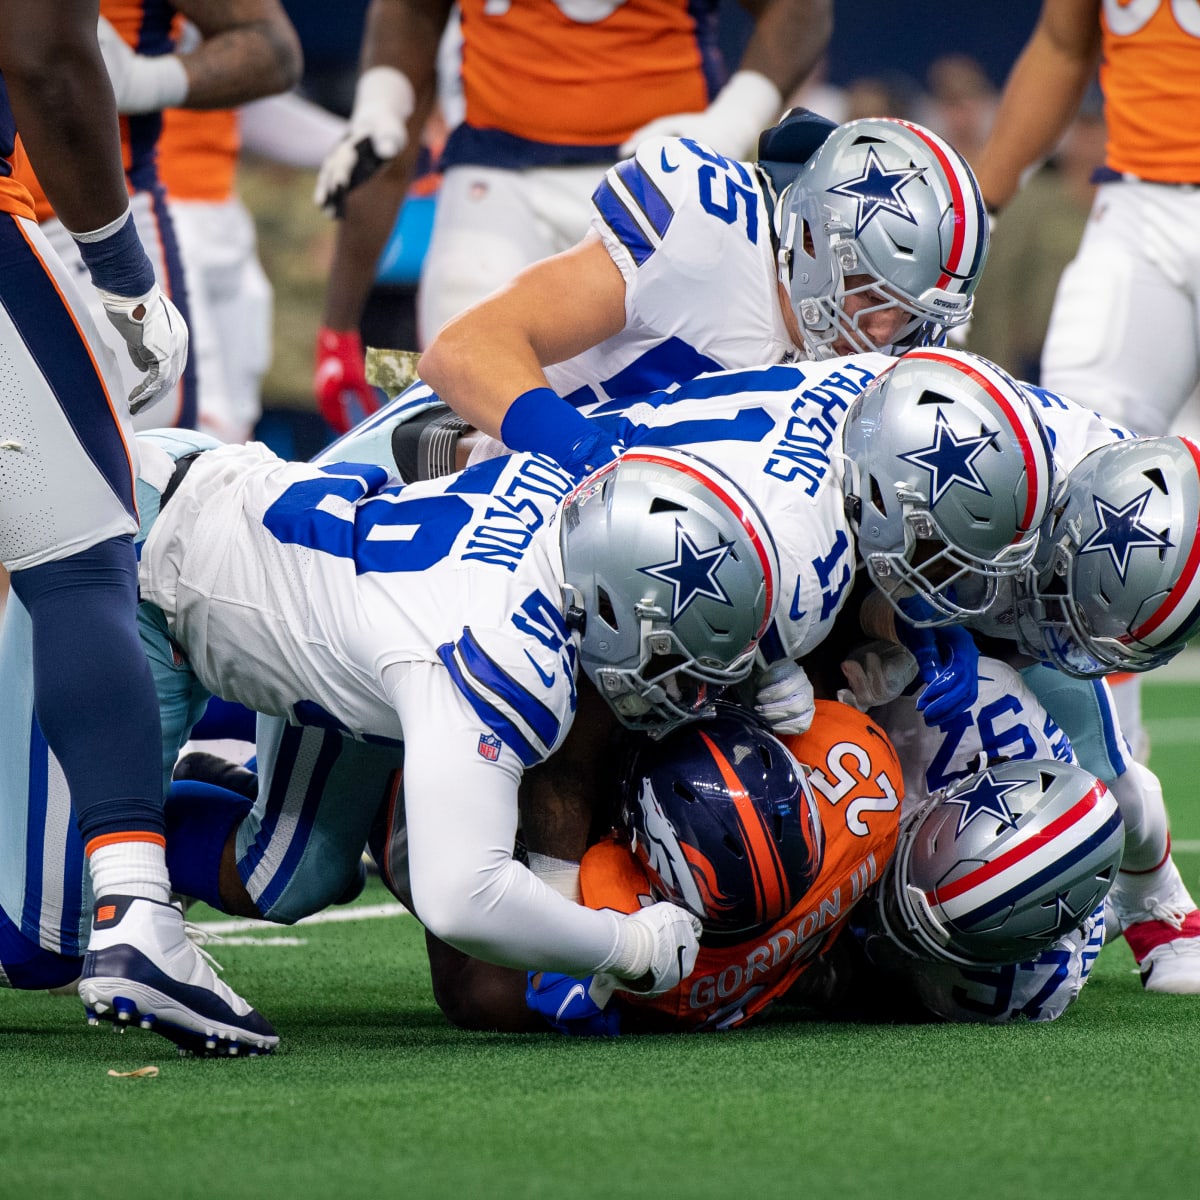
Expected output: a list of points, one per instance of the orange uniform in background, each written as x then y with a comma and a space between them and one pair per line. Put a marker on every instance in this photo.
535, 72
858, 784
1152, 89
198, 153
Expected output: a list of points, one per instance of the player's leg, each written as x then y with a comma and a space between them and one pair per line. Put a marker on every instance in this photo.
1149, 901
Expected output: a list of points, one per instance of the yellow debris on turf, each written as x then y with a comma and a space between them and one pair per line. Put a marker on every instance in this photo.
150, 1072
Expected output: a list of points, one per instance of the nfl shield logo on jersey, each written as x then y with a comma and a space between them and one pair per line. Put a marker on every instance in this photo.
489, 746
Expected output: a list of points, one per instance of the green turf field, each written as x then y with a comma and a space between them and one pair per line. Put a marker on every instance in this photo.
372, 1094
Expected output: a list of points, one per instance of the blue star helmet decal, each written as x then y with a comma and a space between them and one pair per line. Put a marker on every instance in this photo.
950, 459
878, 190
1121, 531
692, 573
985, 795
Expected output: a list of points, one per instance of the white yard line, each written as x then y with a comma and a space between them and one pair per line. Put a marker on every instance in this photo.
364, 912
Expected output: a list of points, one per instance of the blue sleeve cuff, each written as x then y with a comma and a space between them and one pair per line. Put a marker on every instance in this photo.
118, 262
542, 422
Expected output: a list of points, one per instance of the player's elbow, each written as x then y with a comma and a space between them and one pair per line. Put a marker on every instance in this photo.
287, 57
446, 363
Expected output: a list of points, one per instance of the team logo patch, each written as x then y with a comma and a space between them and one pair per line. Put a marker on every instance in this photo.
1121, 531
489, 746
986, 795
950, 459
878, 190
691, 573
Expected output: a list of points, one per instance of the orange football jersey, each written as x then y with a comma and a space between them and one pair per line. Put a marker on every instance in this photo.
198, 153
584, 72
1150, 75
858, 785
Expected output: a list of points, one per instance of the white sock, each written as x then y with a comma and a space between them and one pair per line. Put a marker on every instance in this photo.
133, 868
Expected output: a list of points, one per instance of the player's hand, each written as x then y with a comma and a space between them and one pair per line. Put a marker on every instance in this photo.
742, 109
672, 936
784, 698
590, 453
878, 672
157, 337
141, 83
340, 383
576, 1007
377, 133
947, 663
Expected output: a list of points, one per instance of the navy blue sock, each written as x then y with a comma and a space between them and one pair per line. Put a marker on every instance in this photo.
93, 691
200, 817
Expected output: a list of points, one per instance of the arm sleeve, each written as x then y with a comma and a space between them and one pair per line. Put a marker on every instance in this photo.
461, 811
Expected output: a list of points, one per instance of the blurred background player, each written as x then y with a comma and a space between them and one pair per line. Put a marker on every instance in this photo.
247, 49
66, 524
1124, 336
554, 94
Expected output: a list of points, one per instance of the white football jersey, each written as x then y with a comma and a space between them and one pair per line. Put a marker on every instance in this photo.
296, 587
776, 430
691, 232
1006, 721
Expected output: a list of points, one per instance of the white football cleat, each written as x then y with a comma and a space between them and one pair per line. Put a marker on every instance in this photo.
1159, 919
142, 970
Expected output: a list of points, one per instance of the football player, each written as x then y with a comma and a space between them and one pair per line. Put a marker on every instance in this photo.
67, 519
552, 94
249, 49
697, 262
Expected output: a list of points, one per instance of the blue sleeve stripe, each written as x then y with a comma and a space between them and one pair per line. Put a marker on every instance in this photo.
491, 716
1115, 747
493, 678
643, 191
620, 220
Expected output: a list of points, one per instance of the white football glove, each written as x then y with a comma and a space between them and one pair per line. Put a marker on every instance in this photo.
378, 131
658, 949
784, 698
157, 337
878, 672
741, 110
142, 83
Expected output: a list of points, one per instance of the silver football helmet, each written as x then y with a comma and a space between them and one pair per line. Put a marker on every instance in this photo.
1002, 864
674, 575
948, 478
1115, 585
885, 216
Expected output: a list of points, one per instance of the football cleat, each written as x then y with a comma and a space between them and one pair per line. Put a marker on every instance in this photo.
142, 970
1160, 921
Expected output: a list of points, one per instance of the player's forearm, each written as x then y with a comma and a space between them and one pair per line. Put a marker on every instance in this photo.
1040, 100
788, 40
65, 112
404, 34
370, 214
260, 58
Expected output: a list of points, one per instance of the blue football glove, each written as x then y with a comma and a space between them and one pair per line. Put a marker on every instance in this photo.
947, 663
590, 453
575, 1007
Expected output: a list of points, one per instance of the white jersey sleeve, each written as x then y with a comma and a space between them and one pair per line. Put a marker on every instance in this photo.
690, 232
460, 796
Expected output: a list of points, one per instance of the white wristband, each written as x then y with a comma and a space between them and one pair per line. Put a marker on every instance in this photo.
383, 89
152, 84
749, 100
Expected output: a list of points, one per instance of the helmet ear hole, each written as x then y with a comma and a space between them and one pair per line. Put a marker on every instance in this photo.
929, 396
1155, 476
605, 609
877, 498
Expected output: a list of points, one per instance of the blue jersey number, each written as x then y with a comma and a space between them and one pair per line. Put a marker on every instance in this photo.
726, 189
350, 513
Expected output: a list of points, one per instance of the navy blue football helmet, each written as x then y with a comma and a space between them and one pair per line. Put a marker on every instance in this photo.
723, 820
